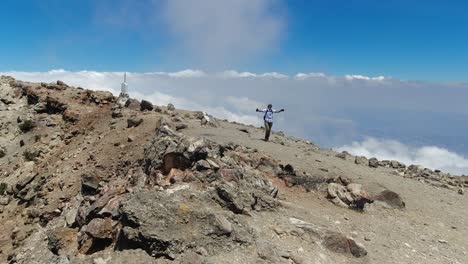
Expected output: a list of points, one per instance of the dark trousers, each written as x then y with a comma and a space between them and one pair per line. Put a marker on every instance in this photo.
268, 126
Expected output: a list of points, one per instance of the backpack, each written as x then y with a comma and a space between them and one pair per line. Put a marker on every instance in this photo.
268, 110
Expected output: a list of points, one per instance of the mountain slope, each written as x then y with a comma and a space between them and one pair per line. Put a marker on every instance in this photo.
90, 181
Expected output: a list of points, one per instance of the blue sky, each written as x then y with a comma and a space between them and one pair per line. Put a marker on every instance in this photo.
416, 40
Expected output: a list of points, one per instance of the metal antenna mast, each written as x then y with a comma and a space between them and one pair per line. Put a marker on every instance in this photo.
124, 86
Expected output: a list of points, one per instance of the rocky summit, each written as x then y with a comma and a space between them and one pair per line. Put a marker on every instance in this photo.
87, 177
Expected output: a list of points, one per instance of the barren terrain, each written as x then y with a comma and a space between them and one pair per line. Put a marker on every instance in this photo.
87, 177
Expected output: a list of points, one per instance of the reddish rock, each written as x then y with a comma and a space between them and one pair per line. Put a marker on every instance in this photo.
339, 243
100, 228
71, 116
63, 241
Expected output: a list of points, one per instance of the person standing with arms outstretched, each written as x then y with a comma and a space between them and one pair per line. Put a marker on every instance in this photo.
268, 118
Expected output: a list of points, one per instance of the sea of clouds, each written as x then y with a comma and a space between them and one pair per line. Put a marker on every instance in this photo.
414, 122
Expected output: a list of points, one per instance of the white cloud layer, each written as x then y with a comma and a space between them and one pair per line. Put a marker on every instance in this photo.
432, 157
329, 110
352, 77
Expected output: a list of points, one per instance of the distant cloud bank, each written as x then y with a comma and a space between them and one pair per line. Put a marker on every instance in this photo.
429, 156
333, 111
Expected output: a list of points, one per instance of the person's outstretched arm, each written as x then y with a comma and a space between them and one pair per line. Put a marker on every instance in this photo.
258, 110
278, 111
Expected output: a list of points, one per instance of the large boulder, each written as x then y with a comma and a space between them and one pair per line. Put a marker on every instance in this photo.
169, 149
161, 228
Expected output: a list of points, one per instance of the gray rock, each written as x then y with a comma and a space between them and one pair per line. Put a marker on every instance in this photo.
4, 200
221, 226
339, 243
170, 107
181, 126
202, 165
89, 183
134, 122
3, 152
156, 227
344, 155
117, 113
384, 163
61, 83
100, 228
361, 160
390, 198
71, 212
351, 195
267, 251
123, 100
208, 120
396, 164
146, 105
373, 163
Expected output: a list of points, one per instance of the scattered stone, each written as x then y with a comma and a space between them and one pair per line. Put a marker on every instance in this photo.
170, 107
100, 228
132, 104
221, 226
134, 122
61, 83
181, 126
123, 100
4, 200
339, 243
27, 125
396, 164
361, 160
62, 241
71, 116
202, 165
130, 138
373, 163
207, 120
267, 251
3, 188
31, 154
117, 113
352, 195
72, 211
146, 105
390, 198
343, 155
3, 152
89, 183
